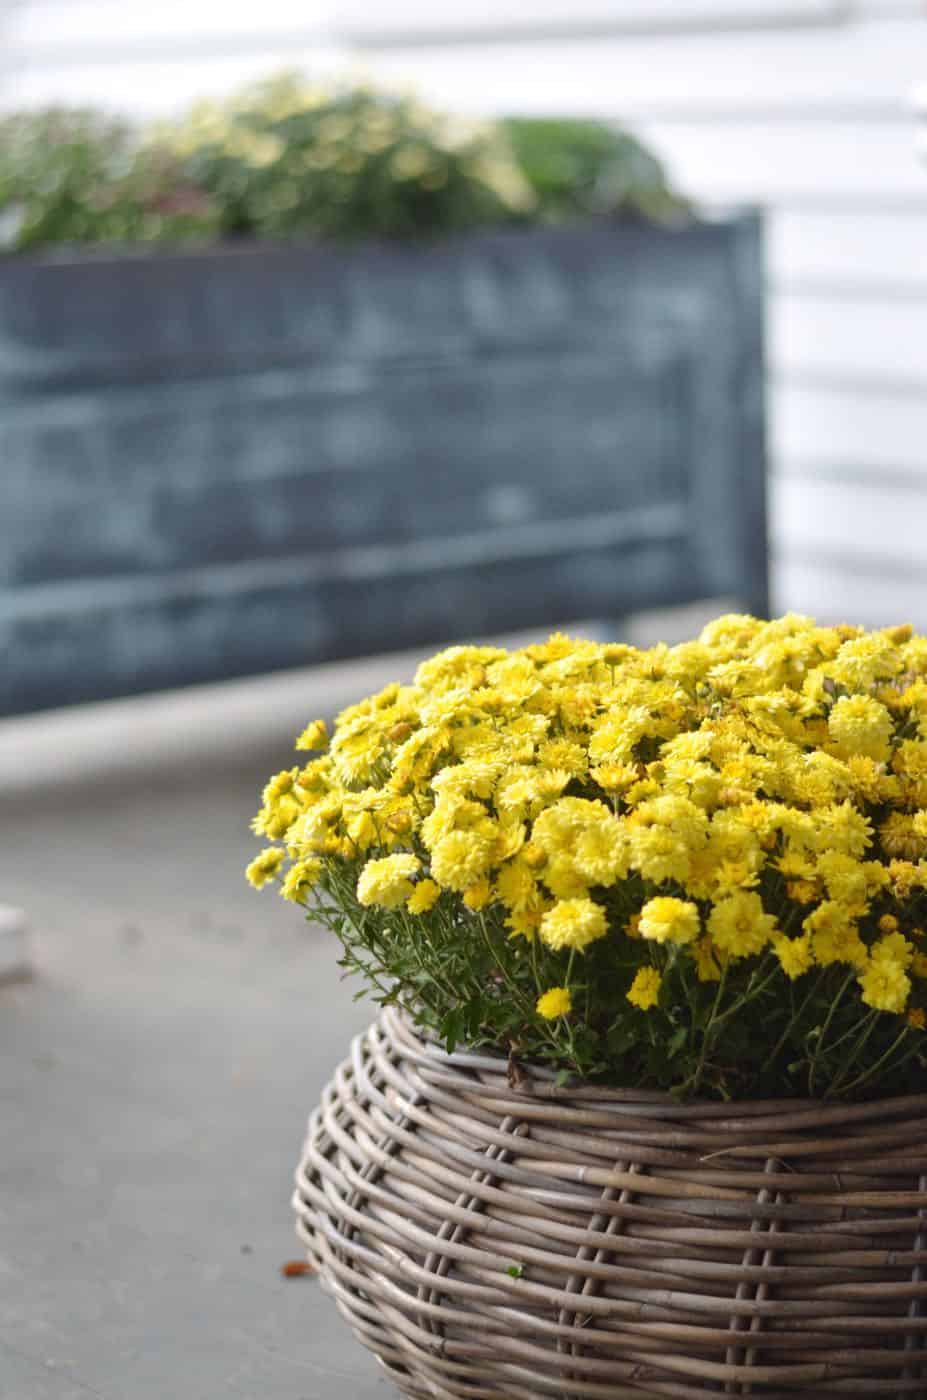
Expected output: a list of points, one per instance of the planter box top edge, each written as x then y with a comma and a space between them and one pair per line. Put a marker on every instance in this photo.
489, 239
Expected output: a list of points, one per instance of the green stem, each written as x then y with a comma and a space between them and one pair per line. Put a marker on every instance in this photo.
818, 1049
868, 1027
879, 1064
796, 1016
696, 1078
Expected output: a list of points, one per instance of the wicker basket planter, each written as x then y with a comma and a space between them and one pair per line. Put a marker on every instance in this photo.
512, 1240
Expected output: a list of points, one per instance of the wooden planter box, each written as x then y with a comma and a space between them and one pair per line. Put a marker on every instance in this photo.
221, 462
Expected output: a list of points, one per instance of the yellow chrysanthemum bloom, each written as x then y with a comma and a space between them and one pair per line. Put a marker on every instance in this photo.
893, 947
387, 882
573, 923
794, 954
460, 858
759, 793
885, 986
834, 935
740, 926
264, 867
644, 991
860, 725
424, 897
300, 880
314, 736
900, 837
706, 960
555, 1002
669, 920
476, 897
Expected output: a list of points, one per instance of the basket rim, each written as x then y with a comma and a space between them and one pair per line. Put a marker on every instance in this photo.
425, 1048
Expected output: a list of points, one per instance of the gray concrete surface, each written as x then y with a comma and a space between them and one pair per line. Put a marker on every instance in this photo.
155, 1076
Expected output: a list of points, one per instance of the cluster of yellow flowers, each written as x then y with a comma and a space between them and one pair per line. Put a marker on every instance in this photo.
761, 791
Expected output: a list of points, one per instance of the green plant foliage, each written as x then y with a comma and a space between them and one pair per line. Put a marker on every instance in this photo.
345, 161
586, 169
72, 175
292, 158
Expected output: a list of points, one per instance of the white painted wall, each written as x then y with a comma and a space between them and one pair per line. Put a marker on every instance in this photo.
801, 105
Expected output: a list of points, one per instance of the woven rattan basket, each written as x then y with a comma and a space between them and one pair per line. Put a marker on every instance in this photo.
513, 1241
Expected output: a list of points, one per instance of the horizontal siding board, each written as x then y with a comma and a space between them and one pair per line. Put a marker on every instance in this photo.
867, 521
839, 334
841, 590
867, 250
776, 162
853, 65
817, 424
153, 84
134, 59
77, 26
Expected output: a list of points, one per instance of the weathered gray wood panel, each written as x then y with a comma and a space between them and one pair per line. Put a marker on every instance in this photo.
221, 462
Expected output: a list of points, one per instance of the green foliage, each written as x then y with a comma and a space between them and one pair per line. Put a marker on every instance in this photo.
72, 175
468, 982
289, 157
586, 169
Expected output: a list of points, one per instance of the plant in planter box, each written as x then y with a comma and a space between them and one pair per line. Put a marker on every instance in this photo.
346, 160
588, 170
672, 903
73, 175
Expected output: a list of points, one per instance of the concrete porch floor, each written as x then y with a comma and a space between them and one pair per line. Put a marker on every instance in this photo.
157, 1070
155, 1076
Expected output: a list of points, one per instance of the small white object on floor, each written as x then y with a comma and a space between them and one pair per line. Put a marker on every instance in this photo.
14, 944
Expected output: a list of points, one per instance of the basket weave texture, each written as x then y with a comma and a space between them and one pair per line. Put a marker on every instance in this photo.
494, 1236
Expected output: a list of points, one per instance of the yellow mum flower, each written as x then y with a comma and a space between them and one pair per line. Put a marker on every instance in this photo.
706, 962
264, 867
900, 837
667, 920
601, 854
834, 935
893, 947
644, 991
387, 882
424, 897
659, 854
916, 1018
573, 923
314, 736
794, 954
885, 986
477, 896
460, 859
860, 725
842, 827
300, 879
555, 1002
739, 926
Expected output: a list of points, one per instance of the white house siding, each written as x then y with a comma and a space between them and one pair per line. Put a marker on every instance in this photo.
803, 106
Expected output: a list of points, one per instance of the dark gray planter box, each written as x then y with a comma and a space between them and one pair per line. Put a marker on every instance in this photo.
229, 461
